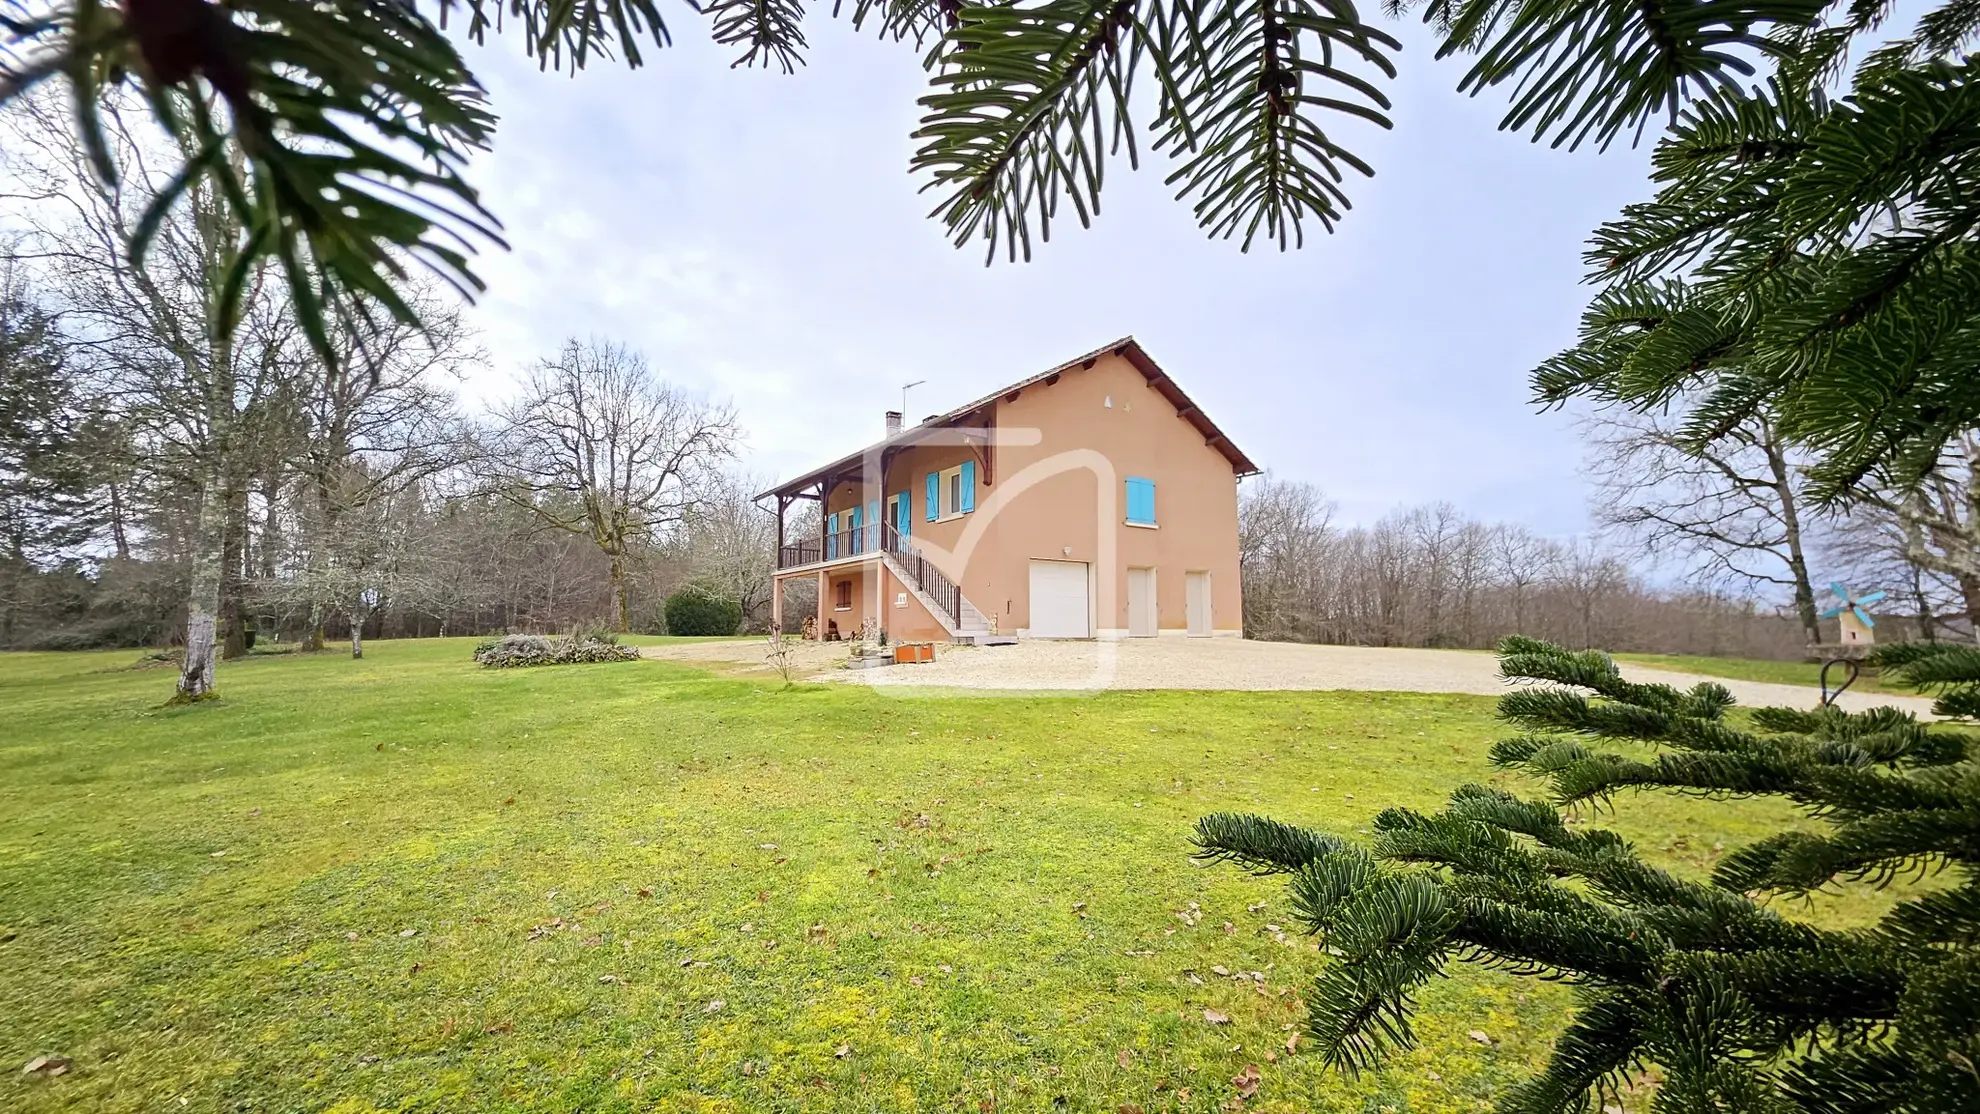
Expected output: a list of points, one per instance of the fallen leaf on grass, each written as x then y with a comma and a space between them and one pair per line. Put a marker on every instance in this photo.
509, 801
50, 1066
1124, 1058
645, 891
842, 1052
714, 1006
1216, 1017
501, 1027
1246, 1081
1220, 969
914, 980
608, 978
1480, 1036
409, 933
1130, 1108
1292, 1045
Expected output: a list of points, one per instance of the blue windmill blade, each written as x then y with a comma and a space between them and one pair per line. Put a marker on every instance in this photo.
1871, 598
1840, 589
1863, 616
1832, 612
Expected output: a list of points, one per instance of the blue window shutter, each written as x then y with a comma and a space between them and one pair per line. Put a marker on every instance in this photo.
852, 527
831, 536
968, 486
873, 524
1141, 501
934, 496
904, 513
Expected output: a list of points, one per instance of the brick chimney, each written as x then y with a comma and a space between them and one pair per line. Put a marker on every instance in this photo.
893, 422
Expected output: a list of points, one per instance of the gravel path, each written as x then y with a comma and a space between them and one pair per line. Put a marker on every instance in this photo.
1221, 663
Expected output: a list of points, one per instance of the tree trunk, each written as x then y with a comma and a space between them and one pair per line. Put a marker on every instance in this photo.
117, 535
203, 602
312, 639
1804, 592
357, 635
1969, 593
619, 593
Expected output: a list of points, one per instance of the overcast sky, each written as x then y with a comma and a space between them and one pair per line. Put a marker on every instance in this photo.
759, 238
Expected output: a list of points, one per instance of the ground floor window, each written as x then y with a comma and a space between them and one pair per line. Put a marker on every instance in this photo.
842, 595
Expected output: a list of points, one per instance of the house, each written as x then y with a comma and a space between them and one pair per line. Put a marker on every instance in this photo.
1093, 500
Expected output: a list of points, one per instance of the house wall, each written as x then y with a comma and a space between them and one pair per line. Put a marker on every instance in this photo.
1064, 498
904, 616
849, 618
875, 592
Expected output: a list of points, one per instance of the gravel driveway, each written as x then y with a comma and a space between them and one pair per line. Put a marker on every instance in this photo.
1219, 663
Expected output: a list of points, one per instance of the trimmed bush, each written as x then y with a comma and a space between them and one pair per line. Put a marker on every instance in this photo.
697, 611
514, 650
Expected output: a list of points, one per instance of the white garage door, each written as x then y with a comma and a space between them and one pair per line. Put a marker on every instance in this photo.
1058, 600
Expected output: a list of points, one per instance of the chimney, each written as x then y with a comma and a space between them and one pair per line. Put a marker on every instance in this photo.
893, 422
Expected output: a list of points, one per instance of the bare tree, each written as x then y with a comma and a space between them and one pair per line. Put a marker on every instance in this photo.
597, 446
1732, 508
730, 544
1938, 520
371, 431
1284, 529
190, 384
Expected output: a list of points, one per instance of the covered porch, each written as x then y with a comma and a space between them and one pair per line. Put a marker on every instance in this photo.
874, 591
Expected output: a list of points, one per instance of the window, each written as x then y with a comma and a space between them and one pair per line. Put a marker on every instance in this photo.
1140, 501
842, 595
952, 491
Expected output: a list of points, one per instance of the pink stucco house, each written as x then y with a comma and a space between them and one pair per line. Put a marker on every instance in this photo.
1093, 500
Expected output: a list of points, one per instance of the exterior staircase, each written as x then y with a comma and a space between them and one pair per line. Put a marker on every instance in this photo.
937, 593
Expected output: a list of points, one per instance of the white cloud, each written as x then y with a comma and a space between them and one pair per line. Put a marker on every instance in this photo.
759, 238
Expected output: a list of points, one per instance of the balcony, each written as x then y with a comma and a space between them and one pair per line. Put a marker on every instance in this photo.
872, 540
853, 541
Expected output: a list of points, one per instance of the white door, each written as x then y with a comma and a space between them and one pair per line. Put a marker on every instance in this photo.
1058, 600
1141, 603
1199, 603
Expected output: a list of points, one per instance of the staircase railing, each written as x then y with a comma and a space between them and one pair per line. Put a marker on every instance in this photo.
929, 579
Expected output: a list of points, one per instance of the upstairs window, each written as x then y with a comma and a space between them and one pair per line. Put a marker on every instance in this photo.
1140, 501
952, 492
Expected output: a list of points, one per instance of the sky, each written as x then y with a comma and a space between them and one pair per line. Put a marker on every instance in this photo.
759, 238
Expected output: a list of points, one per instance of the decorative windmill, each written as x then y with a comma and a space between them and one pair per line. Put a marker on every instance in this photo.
1858, 628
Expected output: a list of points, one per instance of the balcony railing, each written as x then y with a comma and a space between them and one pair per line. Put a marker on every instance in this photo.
848, 542
875, 537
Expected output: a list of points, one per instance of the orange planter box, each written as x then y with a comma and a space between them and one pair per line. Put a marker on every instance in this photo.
907, 652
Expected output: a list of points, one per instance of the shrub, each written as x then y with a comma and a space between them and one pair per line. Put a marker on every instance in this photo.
514, 650
594, 631
698, 611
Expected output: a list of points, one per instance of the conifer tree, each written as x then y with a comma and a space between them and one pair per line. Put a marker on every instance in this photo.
1741, 1007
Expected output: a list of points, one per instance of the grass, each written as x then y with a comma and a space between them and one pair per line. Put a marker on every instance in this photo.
407, 883
1772, 672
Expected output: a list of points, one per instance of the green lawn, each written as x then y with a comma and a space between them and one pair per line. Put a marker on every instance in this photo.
1752, 669
407, 883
